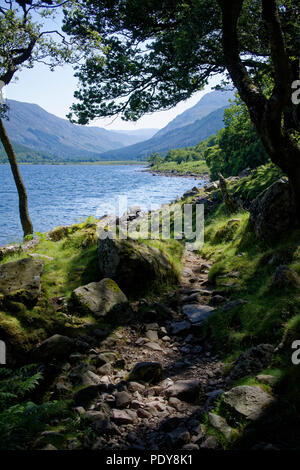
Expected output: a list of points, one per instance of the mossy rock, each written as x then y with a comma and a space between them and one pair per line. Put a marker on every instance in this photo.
150, 372
98, 298
135, 266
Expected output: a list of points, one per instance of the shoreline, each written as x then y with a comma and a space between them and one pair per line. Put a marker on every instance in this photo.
117, 162
175, 174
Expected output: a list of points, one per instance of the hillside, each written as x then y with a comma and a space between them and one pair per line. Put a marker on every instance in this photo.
206, 105
31, 126
176, 138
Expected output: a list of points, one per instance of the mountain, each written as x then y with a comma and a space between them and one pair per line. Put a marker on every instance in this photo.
31, 126
206, 105
180, 137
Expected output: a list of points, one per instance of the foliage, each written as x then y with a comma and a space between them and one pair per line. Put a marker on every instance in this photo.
20, 418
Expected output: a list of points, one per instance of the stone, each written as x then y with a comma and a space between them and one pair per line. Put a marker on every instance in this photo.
177, 404
186, 390
135, 387
8, 250
150, 372
144, 414
248, 401
88, 378
152, 335
123, 399
274, 211
220, 423
211, 442
266, 379
87, 394
252, 361
198, 313
190, 447
98, 298
106, 369
106, 357
93, 415
55, 347
153, 346
180, 327
21, 280
212, 398
177, 438
133, 265
122, 417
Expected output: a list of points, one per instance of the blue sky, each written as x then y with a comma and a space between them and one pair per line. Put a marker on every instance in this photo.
53, 91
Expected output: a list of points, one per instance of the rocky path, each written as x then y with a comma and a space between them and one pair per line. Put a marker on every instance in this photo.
187, 378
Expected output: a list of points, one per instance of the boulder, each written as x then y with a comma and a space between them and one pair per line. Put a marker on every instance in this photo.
21, 280
252, 361
186, 390
133, 265
177, 438
55, 347
198, 313
248, 401
98, 298
273, 212
150, 372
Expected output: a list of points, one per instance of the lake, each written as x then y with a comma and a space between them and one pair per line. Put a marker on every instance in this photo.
66, 194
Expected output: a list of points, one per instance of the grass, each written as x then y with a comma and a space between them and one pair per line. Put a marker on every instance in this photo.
243, 268
196, 166
73, 262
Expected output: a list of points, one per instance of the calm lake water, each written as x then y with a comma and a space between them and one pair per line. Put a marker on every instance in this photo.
66, 194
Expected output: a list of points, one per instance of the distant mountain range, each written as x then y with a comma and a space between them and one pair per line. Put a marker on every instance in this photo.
40, 136
180, 137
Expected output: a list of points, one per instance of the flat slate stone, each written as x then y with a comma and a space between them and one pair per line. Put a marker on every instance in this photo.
197, 313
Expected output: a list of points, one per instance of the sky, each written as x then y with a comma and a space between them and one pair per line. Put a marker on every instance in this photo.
53, 91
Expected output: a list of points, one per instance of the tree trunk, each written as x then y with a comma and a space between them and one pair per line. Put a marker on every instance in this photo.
266, 114
23, 208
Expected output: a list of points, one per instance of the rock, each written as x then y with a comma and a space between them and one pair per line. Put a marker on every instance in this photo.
252, 361
248, 401
285, 277
266, 379
177, 404
198, 313
180, 327
151, 335
123, 399
135, 387
106, 369
134, 265
55, 347
190, 447
144, 414
211, 442
273, 212
122, 417
88, 378
177, 438
98, 298
87, 394
21, 280
186, 390
220, 423
150, 372
93, 415
8, 250
105, 358
153, 346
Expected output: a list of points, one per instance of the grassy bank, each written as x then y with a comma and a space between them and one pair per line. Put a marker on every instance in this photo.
197, 167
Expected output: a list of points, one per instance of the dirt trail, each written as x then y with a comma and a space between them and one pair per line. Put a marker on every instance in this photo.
153, 418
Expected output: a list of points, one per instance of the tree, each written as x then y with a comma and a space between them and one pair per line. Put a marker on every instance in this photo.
161, 52
23, 42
